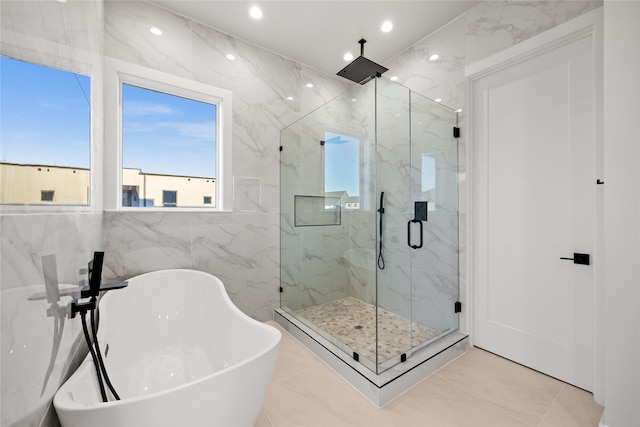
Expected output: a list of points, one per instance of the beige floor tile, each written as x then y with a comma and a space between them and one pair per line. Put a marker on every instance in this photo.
437, 402
526, 394
293, 357
573, 407
315, 397
477, 389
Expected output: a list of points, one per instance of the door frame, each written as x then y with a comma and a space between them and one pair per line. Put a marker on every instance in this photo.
588, 23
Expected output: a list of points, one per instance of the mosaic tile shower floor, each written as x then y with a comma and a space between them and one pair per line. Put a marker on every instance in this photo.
353, 322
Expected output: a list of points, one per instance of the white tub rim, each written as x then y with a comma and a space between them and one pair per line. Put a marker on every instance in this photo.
66, 403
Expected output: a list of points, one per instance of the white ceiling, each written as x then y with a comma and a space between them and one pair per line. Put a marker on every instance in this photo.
319, 32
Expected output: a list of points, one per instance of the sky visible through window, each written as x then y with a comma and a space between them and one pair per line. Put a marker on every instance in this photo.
46, 119
167, 134
342, 164
45, 115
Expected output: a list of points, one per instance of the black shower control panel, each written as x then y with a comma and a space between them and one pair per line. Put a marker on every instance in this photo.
420, 212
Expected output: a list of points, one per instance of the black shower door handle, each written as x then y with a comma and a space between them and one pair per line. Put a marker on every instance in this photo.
409, 234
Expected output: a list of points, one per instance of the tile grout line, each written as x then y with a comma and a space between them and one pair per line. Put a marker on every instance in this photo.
502, 409
552, 403
288, 377
266, 414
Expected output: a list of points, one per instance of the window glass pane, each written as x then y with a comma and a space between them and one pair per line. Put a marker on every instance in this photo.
47, 196
342, 169
45, 135
167, 142
169, 198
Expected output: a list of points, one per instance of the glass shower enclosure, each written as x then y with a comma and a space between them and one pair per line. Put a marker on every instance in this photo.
369, 222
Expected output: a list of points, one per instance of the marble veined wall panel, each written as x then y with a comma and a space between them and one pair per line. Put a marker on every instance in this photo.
40, 347
242, 246
30, 23
493, 26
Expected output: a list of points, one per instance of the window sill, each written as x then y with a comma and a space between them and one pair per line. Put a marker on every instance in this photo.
169, 210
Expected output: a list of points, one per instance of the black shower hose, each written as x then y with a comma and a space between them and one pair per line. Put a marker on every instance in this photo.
103, 393
102, 367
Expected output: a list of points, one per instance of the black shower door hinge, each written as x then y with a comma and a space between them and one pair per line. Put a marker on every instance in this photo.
281, 148
457, 307
281, 290
456, 132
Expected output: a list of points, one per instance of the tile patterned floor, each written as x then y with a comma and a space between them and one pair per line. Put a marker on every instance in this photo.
477, 389
354, 323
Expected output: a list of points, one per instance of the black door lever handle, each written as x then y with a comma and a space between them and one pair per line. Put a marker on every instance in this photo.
582, 259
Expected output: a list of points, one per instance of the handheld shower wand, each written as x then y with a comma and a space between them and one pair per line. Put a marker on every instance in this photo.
381, 211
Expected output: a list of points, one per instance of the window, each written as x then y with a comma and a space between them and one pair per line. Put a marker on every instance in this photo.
342, 167
174, 134
47, 195
45, 135
168, 140
206, 200
169, 198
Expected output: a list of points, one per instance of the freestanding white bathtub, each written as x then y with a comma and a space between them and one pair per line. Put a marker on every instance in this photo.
178, 353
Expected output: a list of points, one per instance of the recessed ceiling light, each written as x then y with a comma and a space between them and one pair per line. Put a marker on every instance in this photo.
231, 57
353, 100
62, 1
394, 78
434, 57
155, 30
348, 56
255, 12
309, 85
290, 98
386, 26
438, 99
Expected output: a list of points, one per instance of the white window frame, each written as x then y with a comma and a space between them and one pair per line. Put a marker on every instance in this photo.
117, 73
90, 68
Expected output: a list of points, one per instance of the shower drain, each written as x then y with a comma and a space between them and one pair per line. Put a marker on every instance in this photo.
357, 327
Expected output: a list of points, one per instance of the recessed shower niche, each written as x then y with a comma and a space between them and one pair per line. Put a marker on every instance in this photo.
369, 236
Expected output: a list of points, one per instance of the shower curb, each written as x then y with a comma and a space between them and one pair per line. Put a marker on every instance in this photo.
383, 388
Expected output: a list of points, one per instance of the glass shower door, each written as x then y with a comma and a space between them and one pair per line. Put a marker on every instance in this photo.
434, 200
416, 169
393, 173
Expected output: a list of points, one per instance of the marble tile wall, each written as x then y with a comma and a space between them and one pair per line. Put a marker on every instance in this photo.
493, 26
241, 247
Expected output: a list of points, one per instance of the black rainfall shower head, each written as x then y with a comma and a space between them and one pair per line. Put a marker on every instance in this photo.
361, 69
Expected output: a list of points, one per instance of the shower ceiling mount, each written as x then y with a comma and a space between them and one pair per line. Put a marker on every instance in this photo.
361, 69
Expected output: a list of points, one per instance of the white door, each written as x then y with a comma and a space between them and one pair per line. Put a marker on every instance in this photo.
534, 203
